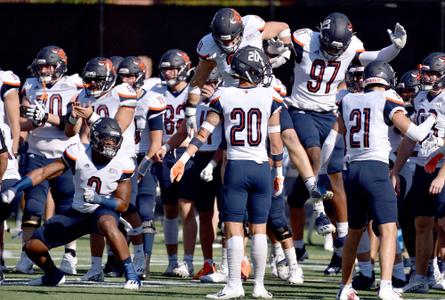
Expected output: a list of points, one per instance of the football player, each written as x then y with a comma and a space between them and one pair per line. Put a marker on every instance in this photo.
46, 104
426, 194
101, 177
148, 138
250, 113
321, 59
363, 123
100, 98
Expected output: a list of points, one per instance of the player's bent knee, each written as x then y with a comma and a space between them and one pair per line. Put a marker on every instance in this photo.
282, 233
30, 221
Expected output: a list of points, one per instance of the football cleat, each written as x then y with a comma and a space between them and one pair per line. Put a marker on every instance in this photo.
68, 264
295, 275
93, 275
183, 270
24, 265
2, 277
389, 294
347, 293
227, 293
47, 280
362, 282
169, 271
283, 269
139, 265
398, 283
416, 286
259, 292
334, 266
323, 225
112, 267
206, 269
301, 253
217, 277
132, 284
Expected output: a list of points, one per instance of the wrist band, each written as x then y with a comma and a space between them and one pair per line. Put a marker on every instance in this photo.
277, 157
93, 118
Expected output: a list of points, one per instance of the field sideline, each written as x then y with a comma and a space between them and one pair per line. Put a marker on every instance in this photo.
316, 286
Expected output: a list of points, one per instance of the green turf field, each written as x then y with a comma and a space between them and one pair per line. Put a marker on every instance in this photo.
316, 286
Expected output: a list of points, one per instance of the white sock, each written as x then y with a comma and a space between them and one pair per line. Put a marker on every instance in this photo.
342, 229
299, 244
291, 256
138, 250
398, 272
277, 250
235, 253
365, 267
259, 256
96, 262
171, 231
224, 259
385, 284
318, 208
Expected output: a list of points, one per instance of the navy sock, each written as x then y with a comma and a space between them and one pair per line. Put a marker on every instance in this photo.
148, 242
130, 273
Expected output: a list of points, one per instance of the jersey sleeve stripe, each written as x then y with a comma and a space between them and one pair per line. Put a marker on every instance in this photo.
297, 41
215, 100
395, 101
70, 156
16, 84
205, 57
156, 108
360, 50
127, 96
277, 99
128, 171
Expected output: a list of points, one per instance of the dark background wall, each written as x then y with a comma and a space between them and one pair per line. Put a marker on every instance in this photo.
151, 30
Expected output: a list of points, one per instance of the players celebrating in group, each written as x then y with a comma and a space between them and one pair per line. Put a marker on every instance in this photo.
215, 141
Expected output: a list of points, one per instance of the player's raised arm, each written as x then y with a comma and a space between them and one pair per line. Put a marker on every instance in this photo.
10, 95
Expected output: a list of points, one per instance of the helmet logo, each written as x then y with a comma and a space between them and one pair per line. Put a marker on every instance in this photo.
442, 59
236, 17
184, 56
255, 56
326, 24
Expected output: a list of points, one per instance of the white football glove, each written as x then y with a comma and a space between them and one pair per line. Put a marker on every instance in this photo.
398, 37
8, 195
280, 60
190, 116
207, 172
431, 143
90, 196
36, 113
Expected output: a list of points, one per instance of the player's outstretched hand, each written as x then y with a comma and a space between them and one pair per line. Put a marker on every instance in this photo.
398, 36
278, 185
177, 171
8, 195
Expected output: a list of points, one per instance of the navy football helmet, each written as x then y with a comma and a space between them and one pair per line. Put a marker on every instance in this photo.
227, 29
251, 64
379, 72
99, 76
432, 70
132, 66
408, 85
354, 78
175, 59
106, 137
335, 35
116, 60
50, 56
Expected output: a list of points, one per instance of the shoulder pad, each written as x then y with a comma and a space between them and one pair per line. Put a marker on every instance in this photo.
124, 90
207, 48
302, 36
254, 21
74, 150
151, 82
392, 95
29, 83
9, 78
356, 44
76, 80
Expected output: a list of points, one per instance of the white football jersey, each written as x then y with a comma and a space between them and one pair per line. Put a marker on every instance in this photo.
246, 114
214, 140
423, 106
85, 174
367, 118
174, 111
48, 140
108, 105
208, 50
150, 105
8, 82
316, 78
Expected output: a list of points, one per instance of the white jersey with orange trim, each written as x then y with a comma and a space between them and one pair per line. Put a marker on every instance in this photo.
315, 77
213, 142
174, 111
108, 105
367, 117
208, 50
151, 104
245, 113
86, 174
423, 106
12, 169
8, 82
49, 140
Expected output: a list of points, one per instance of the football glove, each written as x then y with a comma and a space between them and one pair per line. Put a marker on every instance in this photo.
36, 113
8, 195
398, 36
190, 115
207, 172
90, 196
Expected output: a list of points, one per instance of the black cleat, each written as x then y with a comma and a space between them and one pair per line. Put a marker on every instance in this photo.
301, 253
362, 282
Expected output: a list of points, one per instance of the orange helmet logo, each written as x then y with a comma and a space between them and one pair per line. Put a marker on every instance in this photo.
61, 54
236, 17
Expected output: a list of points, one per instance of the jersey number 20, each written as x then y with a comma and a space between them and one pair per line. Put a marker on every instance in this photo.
253, 121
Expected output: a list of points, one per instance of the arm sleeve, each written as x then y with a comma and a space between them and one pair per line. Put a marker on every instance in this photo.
386, 54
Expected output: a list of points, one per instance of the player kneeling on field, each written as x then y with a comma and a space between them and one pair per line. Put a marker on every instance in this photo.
102, 191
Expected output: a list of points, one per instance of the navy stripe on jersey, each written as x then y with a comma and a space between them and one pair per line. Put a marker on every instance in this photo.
389, 109
276, 106
6, 88
215, 106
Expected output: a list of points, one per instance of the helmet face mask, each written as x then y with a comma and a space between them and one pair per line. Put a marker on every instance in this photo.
227, 29
354, 79
50, 64
408, 86
106, 137
99, 76
432, 70
174, 67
